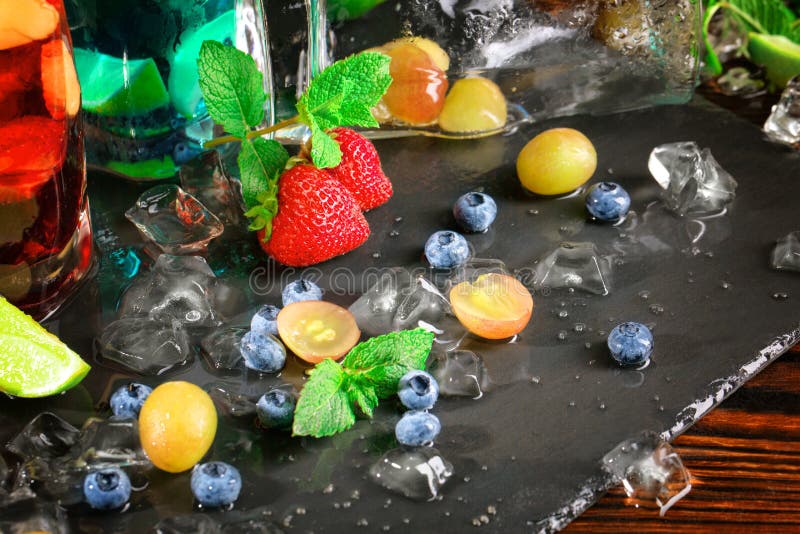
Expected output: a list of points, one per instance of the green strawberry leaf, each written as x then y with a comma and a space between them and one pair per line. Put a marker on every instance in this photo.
382, 361
342, 95
261, 162
232, 87
324, 406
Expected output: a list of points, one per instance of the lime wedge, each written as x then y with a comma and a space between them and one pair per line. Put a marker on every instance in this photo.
111, 86
34, 362
779, 56
184, 88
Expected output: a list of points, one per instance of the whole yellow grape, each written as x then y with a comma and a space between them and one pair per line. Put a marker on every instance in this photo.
556, 161
177, 426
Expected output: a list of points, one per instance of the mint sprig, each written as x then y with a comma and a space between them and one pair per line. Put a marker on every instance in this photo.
232, 86
370, 372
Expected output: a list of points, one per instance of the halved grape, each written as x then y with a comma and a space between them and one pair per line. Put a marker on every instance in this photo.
315, 330
494, 306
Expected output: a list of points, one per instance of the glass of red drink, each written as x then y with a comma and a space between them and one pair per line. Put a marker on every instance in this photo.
45, 232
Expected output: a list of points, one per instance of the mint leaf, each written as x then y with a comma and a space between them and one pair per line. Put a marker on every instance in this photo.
261, 162
382, 361
362, 394
232, 87
324, 407
342, 95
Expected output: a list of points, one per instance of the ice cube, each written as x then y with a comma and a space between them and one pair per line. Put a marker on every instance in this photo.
460, 373
417, 473
424, 306
574, 265
174, 220
145, 345
783, 124
110, 442
786, 254
204, 177
46, 436
474, 268
22, 512
739, 81
181, 524
649, 470
375, 309
179, 288
230, 403
693, 182
221, 348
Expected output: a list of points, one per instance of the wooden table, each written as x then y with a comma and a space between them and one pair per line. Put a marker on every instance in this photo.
744, 458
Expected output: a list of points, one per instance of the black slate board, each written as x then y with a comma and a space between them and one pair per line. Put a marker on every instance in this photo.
522, 448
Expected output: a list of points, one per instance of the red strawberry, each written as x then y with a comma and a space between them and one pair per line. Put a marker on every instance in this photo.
317, 219
360, 170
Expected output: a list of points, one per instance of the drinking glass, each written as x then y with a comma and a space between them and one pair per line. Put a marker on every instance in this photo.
137, 63
45, 233
547, 57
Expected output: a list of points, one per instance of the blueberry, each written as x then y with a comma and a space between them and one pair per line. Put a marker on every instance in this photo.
276, 409
418, 390
607, 201
107, 489
216, 484
262, 353
126, 402
265, 320
475, 212
446, 249
301, 290
417, 428
630, 343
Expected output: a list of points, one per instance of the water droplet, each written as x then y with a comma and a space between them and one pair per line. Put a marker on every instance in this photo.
656, 309
602, 405
571, 404
376, 255
725, 285
394, 233
484, 468
300, 510
588, 346
562, 336
579, 327
355, 495
535, 379
491, 510
563, 314
577, 377
533, 212
398, 219
780, 295
362, 522
328, 489
644, 295
656, 398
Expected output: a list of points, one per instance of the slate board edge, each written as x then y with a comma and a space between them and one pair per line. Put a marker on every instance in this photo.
717, 391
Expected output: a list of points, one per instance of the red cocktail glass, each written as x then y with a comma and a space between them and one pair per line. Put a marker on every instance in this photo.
45, 233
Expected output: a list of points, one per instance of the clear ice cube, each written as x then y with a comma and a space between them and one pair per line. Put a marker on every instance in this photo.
649, 470
783, 124
460, 373
204, 177
474, 268
574, 265
174, 220
424, 306
221, 348
375, 309
399, 301
786, 254
230, 403
693, 182
183, 289
46, 436
417, 473
145, 345
23, 512
110, 442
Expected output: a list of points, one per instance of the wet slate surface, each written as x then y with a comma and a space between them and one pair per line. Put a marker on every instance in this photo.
531, 446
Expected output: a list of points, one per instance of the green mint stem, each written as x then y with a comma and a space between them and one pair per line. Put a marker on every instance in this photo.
251, 135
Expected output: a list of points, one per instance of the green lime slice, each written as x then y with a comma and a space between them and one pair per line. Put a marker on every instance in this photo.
779, 56
149, 168
111, 86
183, 82
34, 362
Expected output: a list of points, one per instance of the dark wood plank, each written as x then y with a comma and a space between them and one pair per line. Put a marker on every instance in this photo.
745, 462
